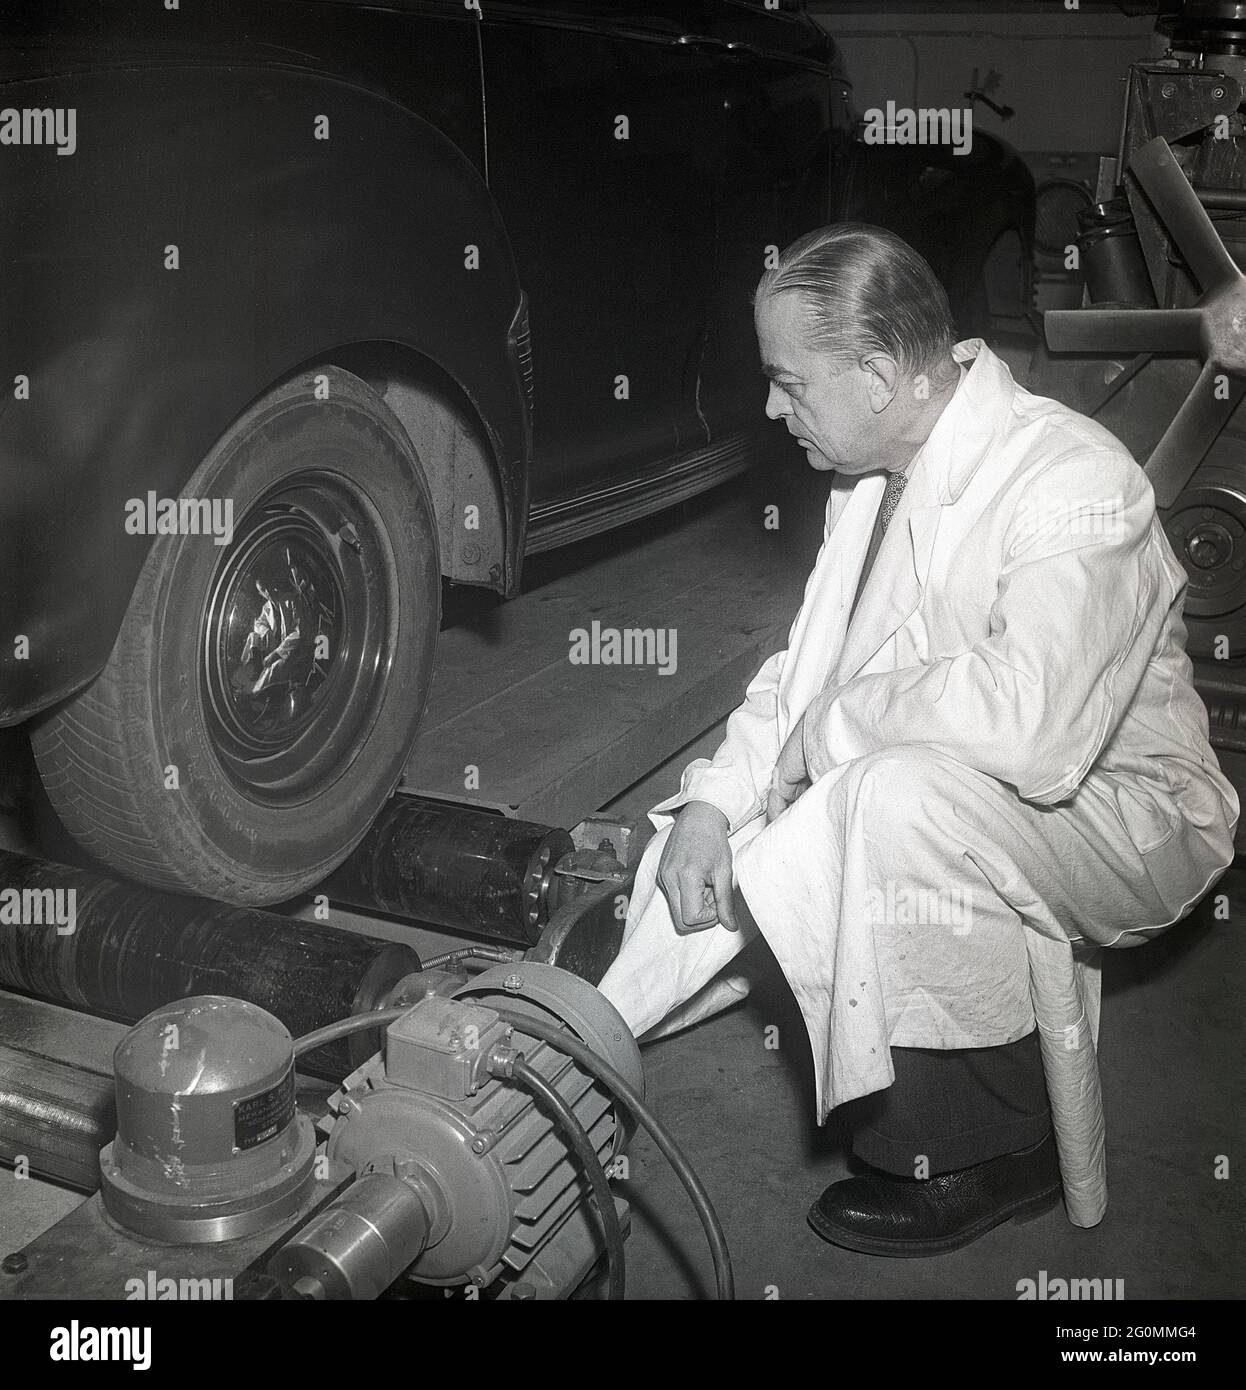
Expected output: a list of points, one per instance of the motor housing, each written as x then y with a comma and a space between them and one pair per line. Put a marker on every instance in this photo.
496, 1192
209, 1144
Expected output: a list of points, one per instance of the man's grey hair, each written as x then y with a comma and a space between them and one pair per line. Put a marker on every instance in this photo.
866, 290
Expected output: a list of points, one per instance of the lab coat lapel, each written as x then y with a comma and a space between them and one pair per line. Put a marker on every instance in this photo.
960, 441
821, 646
817, 637
894, 587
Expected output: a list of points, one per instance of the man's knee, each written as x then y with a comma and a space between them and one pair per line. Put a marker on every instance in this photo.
906, 789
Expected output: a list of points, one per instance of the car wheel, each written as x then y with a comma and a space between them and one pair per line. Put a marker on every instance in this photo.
262, 696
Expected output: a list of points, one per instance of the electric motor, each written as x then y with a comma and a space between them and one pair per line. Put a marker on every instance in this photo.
462, 1177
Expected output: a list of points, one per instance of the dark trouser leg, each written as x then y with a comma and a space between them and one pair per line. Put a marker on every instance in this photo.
957, 1108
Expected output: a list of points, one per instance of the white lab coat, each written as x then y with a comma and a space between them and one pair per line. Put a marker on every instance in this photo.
1013, 766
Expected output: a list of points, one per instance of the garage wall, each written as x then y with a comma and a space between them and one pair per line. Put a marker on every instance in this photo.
1061, 71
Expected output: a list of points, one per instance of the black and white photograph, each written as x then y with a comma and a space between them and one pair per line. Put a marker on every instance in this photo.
623, 672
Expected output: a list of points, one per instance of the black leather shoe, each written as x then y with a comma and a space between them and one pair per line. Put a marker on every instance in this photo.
879, 1214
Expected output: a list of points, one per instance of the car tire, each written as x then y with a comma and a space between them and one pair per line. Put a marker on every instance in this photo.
262, 697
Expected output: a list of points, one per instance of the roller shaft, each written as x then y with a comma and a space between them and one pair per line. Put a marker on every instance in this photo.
56, 1117
131, 950
467, 870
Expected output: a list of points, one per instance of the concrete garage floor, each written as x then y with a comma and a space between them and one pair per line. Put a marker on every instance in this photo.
1171, 1057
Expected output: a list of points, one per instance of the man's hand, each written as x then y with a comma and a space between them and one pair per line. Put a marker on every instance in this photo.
695, 869
791, 776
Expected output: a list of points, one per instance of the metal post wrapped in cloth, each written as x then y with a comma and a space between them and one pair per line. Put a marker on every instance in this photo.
471, 871
128, 951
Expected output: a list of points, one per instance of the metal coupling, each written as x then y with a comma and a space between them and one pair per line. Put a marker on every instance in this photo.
501, 1060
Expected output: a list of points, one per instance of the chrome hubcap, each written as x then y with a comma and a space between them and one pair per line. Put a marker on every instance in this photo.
297, 639
278, 635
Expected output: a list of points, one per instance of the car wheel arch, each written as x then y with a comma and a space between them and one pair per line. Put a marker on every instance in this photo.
475, 516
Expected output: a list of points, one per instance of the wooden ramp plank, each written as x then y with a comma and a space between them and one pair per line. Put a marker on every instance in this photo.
555, 741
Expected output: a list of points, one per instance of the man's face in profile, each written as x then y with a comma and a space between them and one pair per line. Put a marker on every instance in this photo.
824, 402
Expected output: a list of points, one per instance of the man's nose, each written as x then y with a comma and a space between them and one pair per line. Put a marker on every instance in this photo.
777, 403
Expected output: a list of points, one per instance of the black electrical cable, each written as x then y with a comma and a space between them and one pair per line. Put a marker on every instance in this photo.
577, 1135
567, 1042
344, 1027
606, 1074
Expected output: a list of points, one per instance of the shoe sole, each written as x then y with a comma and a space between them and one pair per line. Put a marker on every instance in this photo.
1027, 1209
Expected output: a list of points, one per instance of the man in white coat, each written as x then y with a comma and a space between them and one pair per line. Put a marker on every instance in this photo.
980, 753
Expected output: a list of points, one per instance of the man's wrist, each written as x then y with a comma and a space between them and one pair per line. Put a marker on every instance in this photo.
813, 739
700, 807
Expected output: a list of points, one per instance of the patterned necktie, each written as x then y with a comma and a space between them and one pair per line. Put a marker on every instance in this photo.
896, 483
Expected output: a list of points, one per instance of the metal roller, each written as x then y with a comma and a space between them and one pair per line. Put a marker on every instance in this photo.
57, 1103
466, 870
128, 951
55, 1116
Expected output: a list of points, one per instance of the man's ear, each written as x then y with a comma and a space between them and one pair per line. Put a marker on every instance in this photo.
882, 379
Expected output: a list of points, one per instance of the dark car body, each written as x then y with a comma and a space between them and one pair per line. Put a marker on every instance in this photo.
475, 237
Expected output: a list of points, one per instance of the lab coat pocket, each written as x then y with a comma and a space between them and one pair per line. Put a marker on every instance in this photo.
1150, 816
